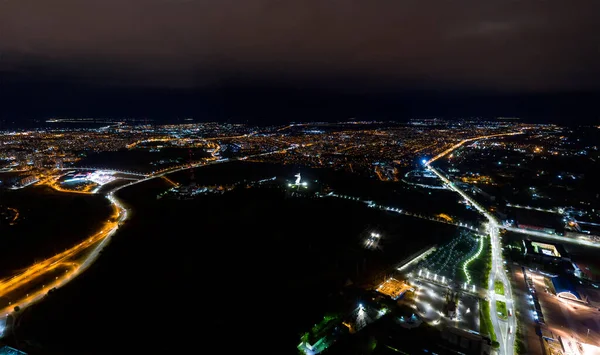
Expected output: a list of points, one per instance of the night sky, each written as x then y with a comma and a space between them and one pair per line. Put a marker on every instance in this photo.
223, 58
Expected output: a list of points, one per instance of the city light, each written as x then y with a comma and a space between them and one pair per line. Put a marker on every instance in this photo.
373, 152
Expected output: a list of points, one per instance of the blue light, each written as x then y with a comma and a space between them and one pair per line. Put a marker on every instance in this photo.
424, 161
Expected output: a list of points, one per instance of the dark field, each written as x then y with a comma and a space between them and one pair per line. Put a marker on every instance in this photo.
49, 222
245, 271
417, 200
141, 160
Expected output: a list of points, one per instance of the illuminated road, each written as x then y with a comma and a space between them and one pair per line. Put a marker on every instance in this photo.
80, 256
403, 212
23, 186
461, 143
585, 241
18, 288
497, 273
535, 208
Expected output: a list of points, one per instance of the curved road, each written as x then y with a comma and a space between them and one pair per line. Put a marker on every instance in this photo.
79, 257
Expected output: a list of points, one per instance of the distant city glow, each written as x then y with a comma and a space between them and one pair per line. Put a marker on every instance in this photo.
484, 160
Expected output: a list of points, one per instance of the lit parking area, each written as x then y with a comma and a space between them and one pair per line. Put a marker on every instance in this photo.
468, 312
434, 303
429, 300
574, 324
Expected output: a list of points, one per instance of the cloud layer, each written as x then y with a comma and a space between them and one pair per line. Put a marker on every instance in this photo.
518, 45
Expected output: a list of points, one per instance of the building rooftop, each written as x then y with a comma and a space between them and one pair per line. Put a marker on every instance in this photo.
547, 249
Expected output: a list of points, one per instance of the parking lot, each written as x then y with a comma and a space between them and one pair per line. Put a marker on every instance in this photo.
577, 324
570, 318
468, 312
430, 301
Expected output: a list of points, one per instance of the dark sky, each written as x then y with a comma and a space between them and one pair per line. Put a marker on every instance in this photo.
346, 47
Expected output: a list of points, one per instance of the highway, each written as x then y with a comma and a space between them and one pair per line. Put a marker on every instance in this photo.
18, 288
497, 273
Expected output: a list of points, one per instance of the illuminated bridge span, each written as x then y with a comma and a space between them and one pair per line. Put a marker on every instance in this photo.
107, 170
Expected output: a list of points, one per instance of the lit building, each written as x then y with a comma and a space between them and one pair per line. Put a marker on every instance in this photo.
545, 252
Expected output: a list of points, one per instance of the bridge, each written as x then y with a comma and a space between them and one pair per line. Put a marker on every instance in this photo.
108, 170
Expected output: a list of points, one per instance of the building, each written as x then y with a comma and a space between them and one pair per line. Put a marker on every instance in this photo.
537, 221
543, 252
565, 289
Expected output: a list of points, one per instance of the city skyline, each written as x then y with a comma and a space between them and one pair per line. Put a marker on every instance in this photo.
318, 177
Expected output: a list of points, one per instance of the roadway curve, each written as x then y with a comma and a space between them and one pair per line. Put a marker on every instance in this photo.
79, 257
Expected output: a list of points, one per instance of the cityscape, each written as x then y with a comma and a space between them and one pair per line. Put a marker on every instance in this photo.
512, 271
313, 177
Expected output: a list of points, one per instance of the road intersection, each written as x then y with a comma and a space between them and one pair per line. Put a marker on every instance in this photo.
505, 330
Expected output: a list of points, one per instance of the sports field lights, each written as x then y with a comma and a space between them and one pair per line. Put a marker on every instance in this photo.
468, 261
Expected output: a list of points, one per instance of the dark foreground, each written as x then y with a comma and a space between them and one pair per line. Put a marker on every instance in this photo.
246, 271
